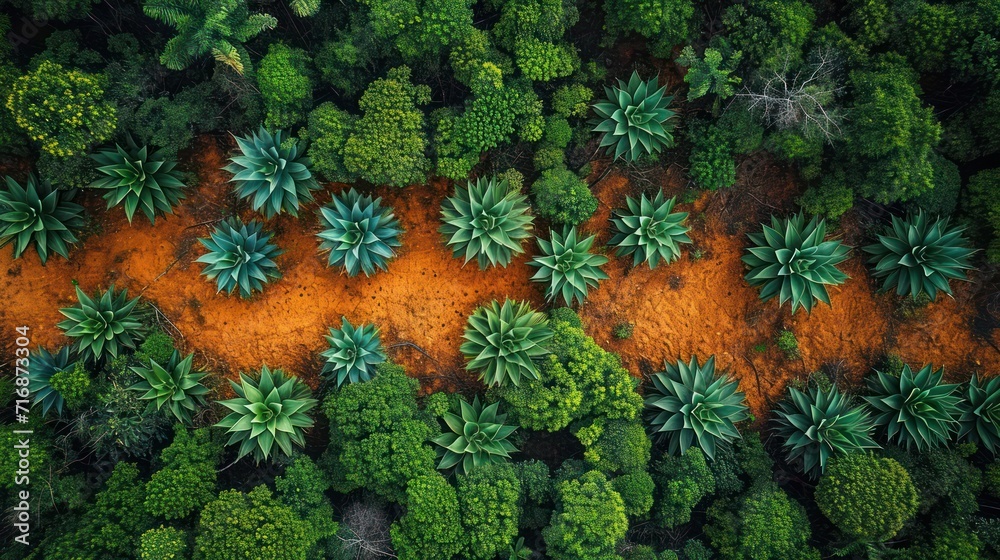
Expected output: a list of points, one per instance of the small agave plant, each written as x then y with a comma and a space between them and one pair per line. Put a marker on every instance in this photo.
103, 325
791, 260
43, 366
820, 425
39, 214
139, 179
567, 266
635, 118
502, 342
240, 256
692, 406
979, 420
487, 221
478, 437
354, 352
649, 230
359, 233
274, 178
268, 411
920, 255
914, 409
173, 385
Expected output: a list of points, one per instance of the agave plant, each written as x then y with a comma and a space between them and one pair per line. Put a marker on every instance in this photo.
105, 324
267, 411
502, 342
354, 352
174, 385
649, 230
478, 437
139, 179
635, 118
274, 178
40, 214
792, 261
567, 266
979, 421
914, 409
693, 406
820, 425
43, 366
358, 232
487, 221
919, 255
240, 255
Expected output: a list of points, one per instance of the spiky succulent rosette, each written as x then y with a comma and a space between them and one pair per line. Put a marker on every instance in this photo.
821, 424
914, 409
478, 437
275, 178
502, 342
240, 256
567, 266
920, 255
172, 385
791, 261
486, 221
139, 180
106, 324
42, 367
692, 406
37, 213
649, 230
358, 232
635, 118
979, 420
354, 352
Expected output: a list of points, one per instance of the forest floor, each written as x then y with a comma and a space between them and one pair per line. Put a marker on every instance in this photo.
699, 305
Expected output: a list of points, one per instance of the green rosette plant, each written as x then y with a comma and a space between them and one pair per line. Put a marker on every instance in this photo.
271, 174
478, 437
979, 419
106, 324
567, 266
914, 409
43, 366
172, 385
354, 353
502, 342
240, 256
139, 180
359, 233
39, 214
486, 221
649, 230
635, 118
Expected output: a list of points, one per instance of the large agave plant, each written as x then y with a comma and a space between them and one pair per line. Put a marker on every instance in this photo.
914, 409
173, 385
487, 221
358, 232
103, 325
649, 230
274, 178
267, 411
139, 179
240, 256
478, 437
43, 366
354, 352
920, 255
979, 421
820, 425
635, 118
693, 406
567, 266
39, 214
502, 342
791, 260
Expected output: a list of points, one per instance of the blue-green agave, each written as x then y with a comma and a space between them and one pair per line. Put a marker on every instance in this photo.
567, 266
487, 221
139, 179
502, 342
103, 325
914, 409
359, 233
354, 352
635, 118
979, 420
919, 255
792, 261
172, 384
42, 366
240, 256
274, 177
39, 214
478, 437
690, 405
649, 230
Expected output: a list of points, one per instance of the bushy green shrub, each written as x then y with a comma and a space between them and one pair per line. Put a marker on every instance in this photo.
615, 445
163, 543
711, 163
636, 489
489, 506
982, 203
571, 100
563, 198
431, 526
770, 34
682, 483
763, 524
186, 481
589, 519
947, 483
253, 526
283, 78
327, 133
302, 488
665, 22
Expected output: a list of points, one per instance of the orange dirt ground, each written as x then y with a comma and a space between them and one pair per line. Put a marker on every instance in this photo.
695, 306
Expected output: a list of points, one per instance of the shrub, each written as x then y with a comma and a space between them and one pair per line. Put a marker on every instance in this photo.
589, 520
327, 133
682, 482
503, 342
567, 266
764, 524
571, 100
712, 73
665, 22
39, 214
164, 543
488, 502
140, 179
431, 527
488, 221
354, 353
254, 526
72, 384
537, 491
302, 488
982, 204
172, 384
104, 325
271, 174
770, 34
614, 445
787, 343
623, 331
947, 483
186, 482
649, 230
914, 409
478, 437
359, 233
635, 118
240, 256
547, 402
711, 163
284, 83
636, 489
563, 198
829, 201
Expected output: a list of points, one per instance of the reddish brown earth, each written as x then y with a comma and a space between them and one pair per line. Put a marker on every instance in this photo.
695, 306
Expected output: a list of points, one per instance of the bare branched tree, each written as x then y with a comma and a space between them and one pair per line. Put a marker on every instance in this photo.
803, 99
364, 532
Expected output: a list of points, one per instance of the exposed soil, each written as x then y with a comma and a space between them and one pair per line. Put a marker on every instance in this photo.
699, 305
